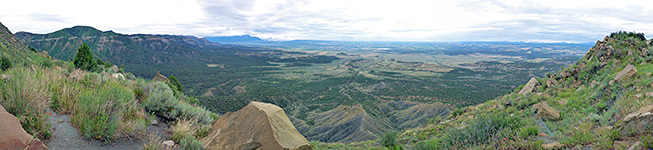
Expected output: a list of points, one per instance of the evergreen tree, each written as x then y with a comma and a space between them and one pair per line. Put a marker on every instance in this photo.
175, 82
84, 59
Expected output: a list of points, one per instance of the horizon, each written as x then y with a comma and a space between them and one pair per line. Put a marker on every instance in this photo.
282, 20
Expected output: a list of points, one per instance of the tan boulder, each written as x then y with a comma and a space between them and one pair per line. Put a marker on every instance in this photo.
551, 82
256, 126
12, 135
530, 86
554, 145
114, 68
637, 122
159, 77
626, 72
546, 112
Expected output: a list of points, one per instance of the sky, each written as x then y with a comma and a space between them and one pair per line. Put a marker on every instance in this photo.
349, 20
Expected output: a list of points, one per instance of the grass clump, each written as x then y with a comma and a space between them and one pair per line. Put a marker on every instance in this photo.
479, 131
190, 143
581, 134
25, 96
99, 112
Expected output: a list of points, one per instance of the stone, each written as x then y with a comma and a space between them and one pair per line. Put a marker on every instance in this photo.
12, 135
649, 94
4, 76
115, 68
545, 111
154, 122
257, 123
636, 146
554, 145
629, 71
169, 143
563, 102
551, 82
637, 122
530, 86
118, 76
638, 95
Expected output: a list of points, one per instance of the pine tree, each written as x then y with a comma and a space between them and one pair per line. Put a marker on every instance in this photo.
175, 82
84, 59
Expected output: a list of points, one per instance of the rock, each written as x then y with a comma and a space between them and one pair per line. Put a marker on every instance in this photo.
638, 95
551, 82
620, 144
12, 135
115, 68
169, 143
530, 86
563, 102
565, 74
262, 123
159, 77
649, 94
4, 76
554, 145
637, 122
626, 72
118, 76
636, 146
546, 112
154, 122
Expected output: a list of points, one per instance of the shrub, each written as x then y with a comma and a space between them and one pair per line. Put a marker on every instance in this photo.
163, 103
25, 96
46, 63
155, 143
528, 131
190, 143
581, 134
427, 145
84, 58
175, 82
389, 140
139, 94
99, 112
5, 63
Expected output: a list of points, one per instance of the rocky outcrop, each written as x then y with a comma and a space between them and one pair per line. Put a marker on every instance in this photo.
637, 122
159, 77
629, 71
256, 126
551, 82
12, 135
530, 86
545, 111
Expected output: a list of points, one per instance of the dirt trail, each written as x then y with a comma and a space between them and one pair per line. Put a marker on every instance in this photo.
67, 137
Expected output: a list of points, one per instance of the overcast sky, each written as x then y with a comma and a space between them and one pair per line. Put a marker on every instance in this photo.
364, 20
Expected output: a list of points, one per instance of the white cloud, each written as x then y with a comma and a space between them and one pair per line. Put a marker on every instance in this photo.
423, 20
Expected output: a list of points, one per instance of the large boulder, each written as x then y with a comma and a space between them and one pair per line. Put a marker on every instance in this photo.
12, 135
629, 71
256, 126
551, 82
530, 86
637, 122
545, 111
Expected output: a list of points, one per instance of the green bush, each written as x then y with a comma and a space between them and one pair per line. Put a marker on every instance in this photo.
389, 139
99, 112
5, 63
427, 145
190, 143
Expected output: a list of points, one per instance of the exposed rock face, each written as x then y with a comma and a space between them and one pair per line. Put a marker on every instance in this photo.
118, 76
12, 135
256, 126
546, 112
551, 82
159, 77
637, 122
629, 71
530, 86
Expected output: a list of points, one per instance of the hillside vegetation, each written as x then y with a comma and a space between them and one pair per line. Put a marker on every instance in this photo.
104, 103
603, 101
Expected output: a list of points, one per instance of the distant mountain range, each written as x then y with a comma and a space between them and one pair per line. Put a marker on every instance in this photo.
236, 39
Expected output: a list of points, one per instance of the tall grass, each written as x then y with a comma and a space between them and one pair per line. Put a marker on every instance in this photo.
100, 111
479, 131
25, 96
